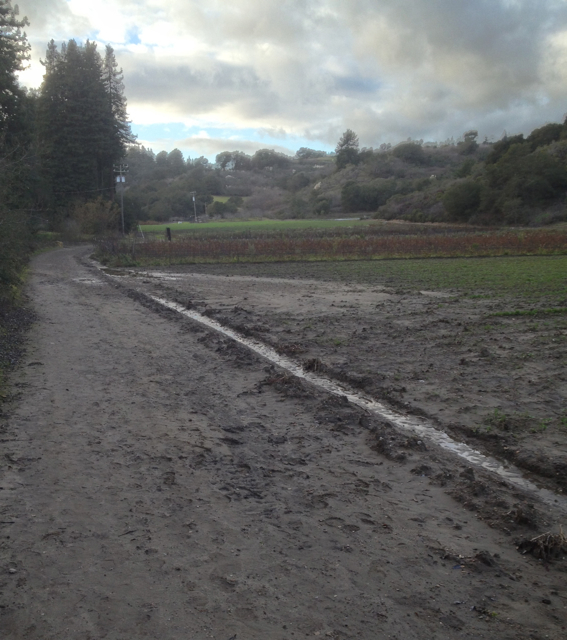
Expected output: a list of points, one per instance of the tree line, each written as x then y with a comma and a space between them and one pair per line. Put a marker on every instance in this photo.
516, 180
58, 143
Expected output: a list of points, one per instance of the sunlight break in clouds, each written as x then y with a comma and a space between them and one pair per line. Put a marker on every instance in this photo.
306, 70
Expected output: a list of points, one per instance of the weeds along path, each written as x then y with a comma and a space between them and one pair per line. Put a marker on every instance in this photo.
160, 481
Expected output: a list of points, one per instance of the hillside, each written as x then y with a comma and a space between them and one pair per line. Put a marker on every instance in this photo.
514, 181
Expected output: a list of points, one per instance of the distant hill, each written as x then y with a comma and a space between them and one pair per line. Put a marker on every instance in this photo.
514, 181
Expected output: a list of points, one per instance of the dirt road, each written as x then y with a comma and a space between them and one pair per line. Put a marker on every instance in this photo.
159, 481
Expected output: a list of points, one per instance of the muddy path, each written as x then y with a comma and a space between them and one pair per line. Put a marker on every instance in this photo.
160, 481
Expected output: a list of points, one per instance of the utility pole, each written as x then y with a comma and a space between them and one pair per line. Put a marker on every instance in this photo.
194, 193
121, 169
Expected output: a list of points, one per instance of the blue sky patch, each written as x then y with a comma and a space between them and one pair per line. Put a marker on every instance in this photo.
209, 141
133, 35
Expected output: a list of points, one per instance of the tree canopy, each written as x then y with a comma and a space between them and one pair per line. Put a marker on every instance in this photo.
347, 149
14, 52
82, 123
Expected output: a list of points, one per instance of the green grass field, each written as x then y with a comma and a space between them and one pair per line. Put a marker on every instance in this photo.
530, 276
231, 226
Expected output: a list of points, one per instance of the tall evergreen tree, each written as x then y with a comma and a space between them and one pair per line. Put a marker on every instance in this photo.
15, 167
347, 149
119, 133
14, 52
82, 121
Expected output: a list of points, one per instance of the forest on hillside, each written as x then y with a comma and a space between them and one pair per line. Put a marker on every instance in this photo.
515, 181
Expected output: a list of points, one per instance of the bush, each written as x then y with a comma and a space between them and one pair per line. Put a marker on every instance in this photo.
465, 169
545, 135
410, 152
218, 208
366, 197
462, 200
97, 217
298, 207
321, 206
501, 147
15, 247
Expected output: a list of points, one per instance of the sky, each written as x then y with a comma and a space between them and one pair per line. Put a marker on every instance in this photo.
206, 76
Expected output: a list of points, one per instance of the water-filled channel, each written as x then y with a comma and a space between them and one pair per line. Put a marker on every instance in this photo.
407, 423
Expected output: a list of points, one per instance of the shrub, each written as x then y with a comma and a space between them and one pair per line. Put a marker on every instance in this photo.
321, 206
410, 152
366, 197
97, 217
462, 200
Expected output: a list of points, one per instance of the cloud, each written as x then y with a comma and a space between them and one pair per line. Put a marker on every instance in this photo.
308, 69
198, 145
196, 85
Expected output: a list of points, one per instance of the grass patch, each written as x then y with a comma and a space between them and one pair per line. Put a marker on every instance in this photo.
15, 321
530, 276
531, 312
236, 226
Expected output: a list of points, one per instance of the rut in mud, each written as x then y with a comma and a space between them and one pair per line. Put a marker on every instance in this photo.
414, 425
160, 480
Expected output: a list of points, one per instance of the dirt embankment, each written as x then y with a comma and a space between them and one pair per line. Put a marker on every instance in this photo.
159, 480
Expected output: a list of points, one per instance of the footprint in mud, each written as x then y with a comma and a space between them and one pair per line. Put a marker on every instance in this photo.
230, 441
334, 522
168, 478
366, 518
339, 523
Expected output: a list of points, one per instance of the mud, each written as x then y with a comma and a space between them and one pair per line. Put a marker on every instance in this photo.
160, 480
495, 382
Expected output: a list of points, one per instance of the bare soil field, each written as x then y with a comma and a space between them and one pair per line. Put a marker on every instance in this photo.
493, 380
159, 480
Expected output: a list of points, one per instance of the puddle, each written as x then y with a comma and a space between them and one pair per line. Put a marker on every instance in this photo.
437, 294
88, 281
165, 275
162, 275
412, 424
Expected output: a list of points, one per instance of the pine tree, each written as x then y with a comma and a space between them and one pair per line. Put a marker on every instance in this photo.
15, 169
82, 121
119, 134
347, 149
14, 52
113, 79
